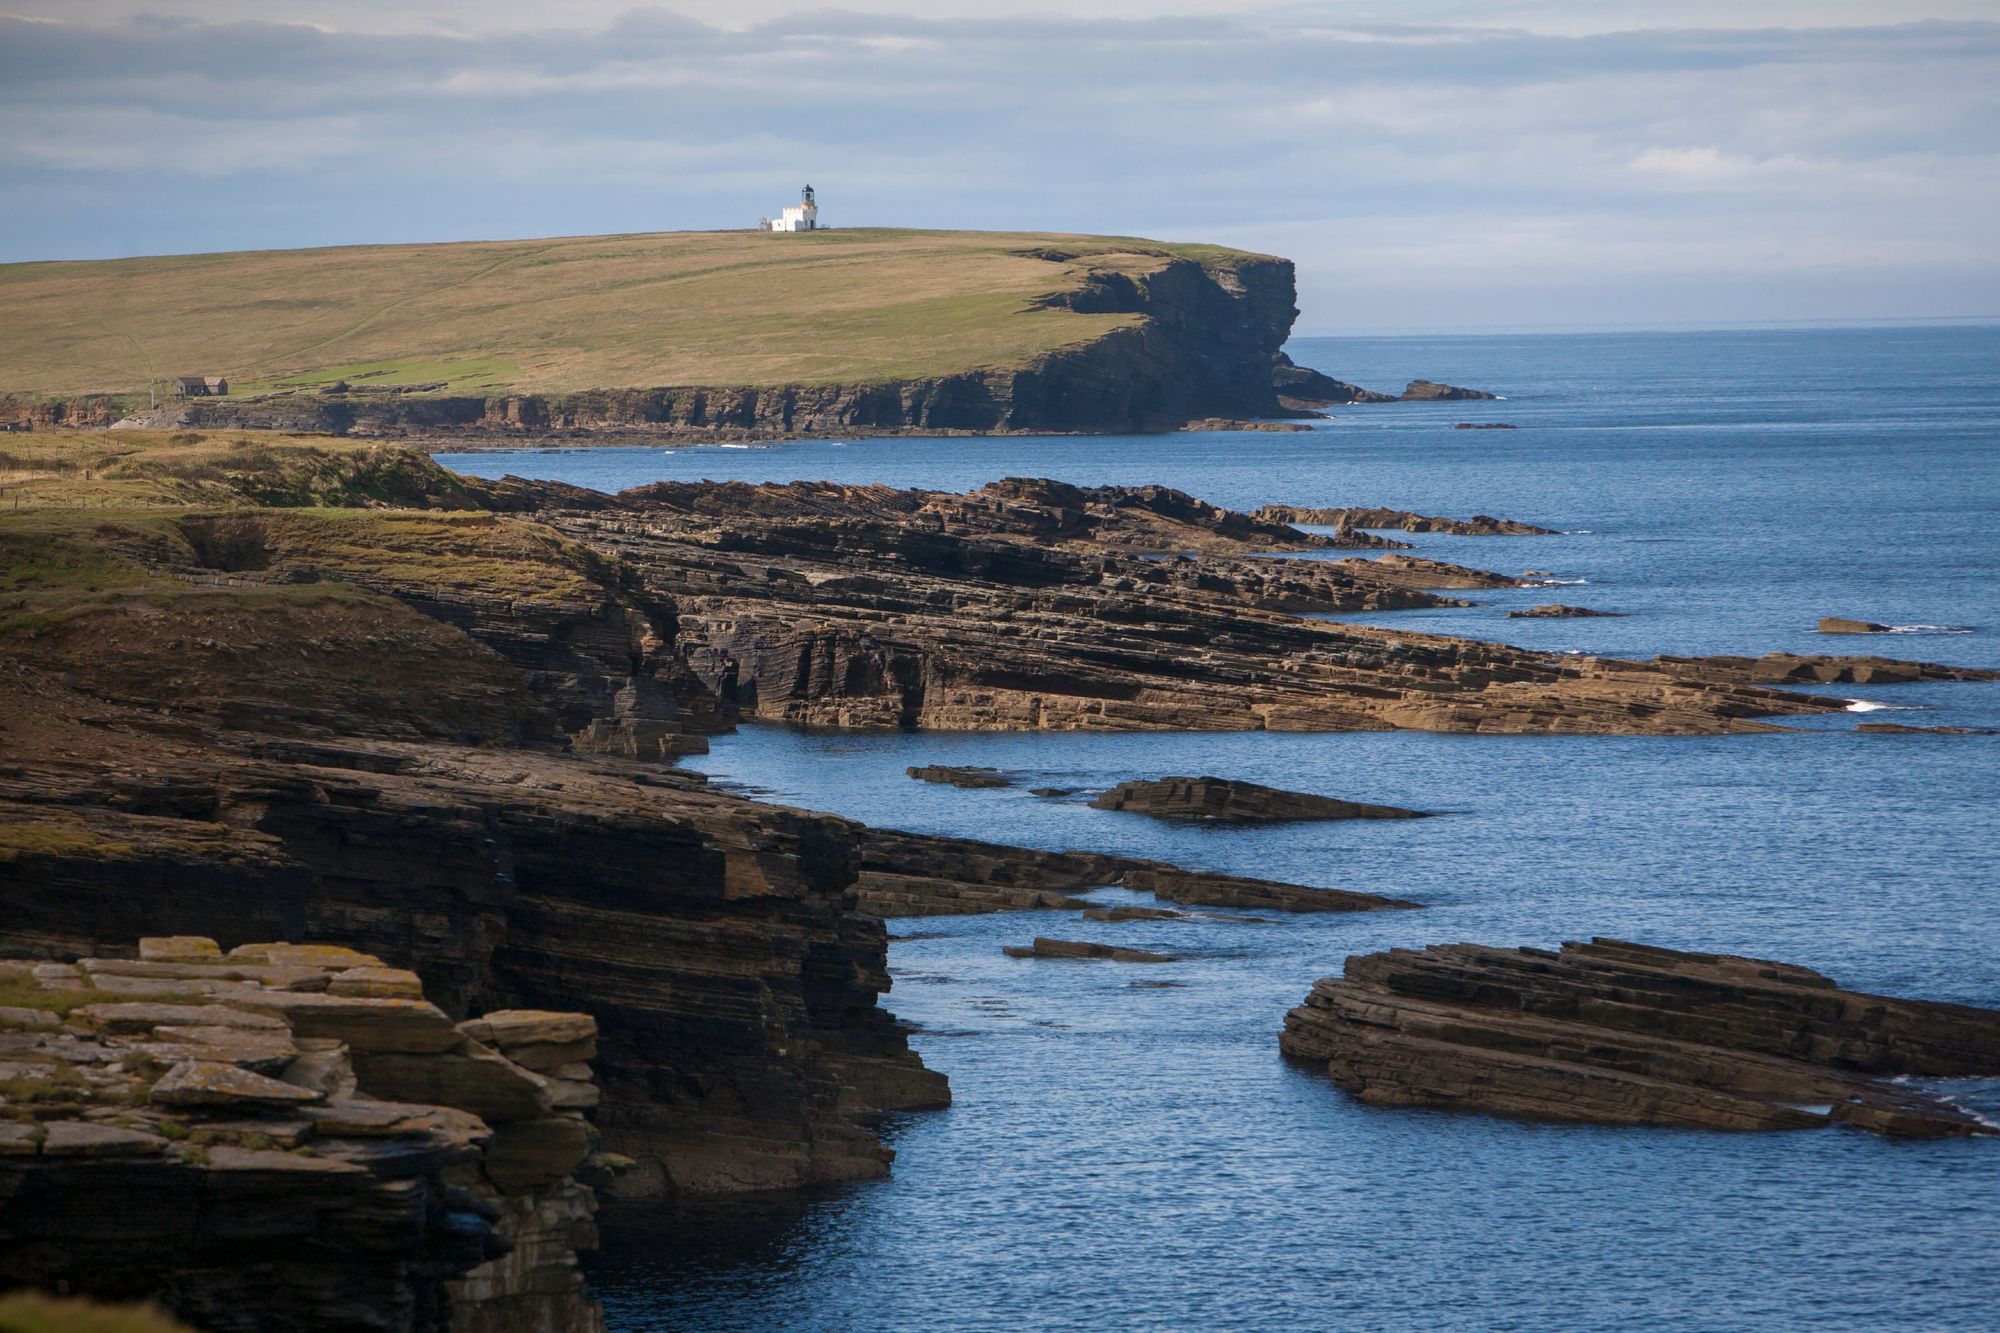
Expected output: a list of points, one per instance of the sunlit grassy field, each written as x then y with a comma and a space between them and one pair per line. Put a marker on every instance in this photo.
562, 314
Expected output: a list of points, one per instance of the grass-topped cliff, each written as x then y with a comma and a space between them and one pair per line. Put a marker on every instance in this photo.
552, 320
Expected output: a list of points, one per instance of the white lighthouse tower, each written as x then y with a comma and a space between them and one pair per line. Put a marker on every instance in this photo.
805, 217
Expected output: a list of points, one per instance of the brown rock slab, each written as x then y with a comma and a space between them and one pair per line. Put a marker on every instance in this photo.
1842, 625
377, 982
1899, 729
212, 1083
1044, 947
142, 1017
1617, 1033
1226, 801
1558, 611
954, 775
415, 1027
528, 1153
1352, 517
83, 1138
1430, 391
179, 949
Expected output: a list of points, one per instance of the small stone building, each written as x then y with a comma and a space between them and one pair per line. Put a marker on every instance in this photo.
200, 386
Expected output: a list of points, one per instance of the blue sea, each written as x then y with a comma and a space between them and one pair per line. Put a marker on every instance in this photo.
1122, 1154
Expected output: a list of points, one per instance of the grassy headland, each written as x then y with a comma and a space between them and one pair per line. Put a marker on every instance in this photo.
568, 314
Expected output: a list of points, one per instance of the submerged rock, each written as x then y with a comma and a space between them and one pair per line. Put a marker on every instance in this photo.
1617, 1033
1133, 914
953, 775
1226, 801
1899, 729
1044, 947
1557, 611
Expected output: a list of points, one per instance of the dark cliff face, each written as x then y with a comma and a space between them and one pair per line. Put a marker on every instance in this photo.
1202, 345
716, 941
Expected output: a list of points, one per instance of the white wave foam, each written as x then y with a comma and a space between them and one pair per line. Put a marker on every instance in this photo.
1558, 583
1930, 629
1870, 706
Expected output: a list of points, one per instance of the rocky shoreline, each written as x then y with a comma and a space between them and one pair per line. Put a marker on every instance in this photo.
338, 696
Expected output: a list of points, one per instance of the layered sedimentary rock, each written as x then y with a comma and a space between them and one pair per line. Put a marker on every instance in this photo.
1040, 606
716, 941
291, 1137
1430, 391
1616, 1033
1226, 801
1558, 611
1898, 729
1299, 387
960, 775
1795, 669
1085, 950
1479, 525
909, 874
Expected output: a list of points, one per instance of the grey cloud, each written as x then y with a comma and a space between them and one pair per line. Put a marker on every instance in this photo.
1567, 158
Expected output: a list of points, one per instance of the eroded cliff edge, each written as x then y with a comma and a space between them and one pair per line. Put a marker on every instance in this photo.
1198, 338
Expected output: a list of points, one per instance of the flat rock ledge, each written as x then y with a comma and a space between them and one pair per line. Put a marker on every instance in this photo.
1348, 517
955, 775
291, 1136
1900, 729
1226, 801
1842, 625
1044, 947
1617, 1033
1558, 611
909, 875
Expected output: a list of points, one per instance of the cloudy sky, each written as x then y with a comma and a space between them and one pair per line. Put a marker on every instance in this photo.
1429, 163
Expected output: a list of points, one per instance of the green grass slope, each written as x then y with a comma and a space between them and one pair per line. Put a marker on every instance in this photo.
564, 314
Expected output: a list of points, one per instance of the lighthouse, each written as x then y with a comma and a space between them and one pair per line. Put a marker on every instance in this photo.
805, 217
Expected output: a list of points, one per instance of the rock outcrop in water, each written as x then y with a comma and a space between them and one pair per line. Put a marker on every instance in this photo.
1033, 605
1085, 950
1558, 611
909, 874
1841, 625
1795, 669
1299, 388
969, 777
291, 1137
1479, 525
1226, 801
1616, 1033
1430, 391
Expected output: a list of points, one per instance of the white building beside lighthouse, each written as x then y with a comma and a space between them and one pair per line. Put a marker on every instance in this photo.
803, 218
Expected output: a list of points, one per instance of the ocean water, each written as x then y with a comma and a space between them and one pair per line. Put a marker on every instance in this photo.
1128, 1154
